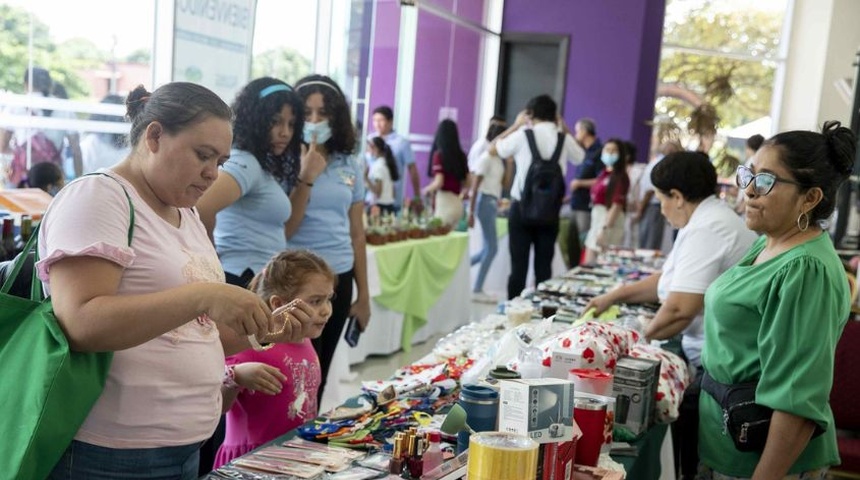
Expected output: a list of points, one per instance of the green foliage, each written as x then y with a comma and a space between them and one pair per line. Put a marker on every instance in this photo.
141, 55
13, 47
741, 90
282, 63
67, 60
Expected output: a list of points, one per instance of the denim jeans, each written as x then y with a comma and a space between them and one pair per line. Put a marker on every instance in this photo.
487, 208
83, 461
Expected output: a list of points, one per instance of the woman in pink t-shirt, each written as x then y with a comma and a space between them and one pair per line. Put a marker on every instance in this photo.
275, 390
608, 198
157, 301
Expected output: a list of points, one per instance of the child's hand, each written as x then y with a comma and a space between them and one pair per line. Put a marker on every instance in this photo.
259, 377
298, 318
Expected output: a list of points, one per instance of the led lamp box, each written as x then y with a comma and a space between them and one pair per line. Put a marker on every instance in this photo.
539, 408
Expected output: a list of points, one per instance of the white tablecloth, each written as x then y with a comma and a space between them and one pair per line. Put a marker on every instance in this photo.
383, 335
496, 282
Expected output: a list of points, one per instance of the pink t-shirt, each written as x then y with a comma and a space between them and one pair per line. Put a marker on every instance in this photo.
165, 392
256, 418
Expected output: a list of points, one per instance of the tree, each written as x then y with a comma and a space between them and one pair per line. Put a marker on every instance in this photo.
283, 63
64, 61
737, 89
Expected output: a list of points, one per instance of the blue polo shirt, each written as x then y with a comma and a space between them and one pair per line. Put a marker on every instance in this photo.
325, 228
251, 230
580, 199
402, 151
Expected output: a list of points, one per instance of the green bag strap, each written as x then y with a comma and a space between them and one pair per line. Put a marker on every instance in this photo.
19, 262
32, 245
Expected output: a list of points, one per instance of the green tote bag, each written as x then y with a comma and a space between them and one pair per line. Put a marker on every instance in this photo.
47, 389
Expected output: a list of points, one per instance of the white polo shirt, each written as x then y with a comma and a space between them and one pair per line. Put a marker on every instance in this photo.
546, 135
713, 240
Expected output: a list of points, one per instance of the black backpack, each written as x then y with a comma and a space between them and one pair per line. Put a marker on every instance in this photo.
543, 191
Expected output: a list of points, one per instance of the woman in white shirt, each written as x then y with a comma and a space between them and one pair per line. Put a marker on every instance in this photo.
490, 176
382, 174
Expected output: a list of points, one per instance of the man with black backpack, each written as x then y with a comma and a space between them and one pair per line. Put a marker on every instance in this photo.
541, 146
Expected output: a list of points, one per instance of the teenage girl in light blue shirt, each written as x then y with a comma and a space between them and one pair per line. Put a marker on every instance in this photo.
328, 203
246, 210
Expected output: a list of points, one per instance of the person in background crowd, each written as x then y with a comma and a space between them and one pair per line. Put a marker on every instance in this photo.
480, 146
651, 221
450, 171
383, 123
711, 239
328, 208
542, 114
68, 142
275, 390
101, 149
160, 303
46, 176
489, 177
775, 317
752, 145
382, 175
608, 199
31, 146
585, 132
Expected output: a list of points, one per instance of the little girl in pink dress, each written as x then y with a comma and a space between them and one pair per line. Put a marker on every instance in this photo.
274, 390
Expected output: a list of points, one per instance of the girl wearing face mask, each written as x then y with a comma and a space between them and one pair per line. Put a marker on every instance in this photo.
328, 205
608, 196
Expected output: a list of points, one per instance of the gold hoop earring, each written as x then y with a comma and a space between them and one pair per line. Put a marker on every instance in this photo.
805, 217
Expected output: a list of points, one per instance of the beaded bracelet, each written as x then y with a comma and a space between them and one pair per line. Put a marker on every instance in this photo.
229, 380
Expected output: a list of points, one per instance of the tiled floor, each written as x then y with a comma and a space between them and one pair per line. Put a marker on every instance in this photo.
382, 366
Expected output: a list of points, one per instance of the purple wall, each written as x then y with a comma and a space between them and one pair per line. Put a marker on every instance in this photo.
613, 61
385, 46
433, 57
447, 60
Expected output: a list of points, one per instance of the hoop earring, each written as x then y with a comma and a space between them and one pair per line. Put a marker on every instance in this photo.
805, 217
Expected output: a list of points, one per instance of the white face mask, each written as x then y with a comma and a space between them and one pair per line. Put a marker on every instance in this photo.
322, 130
609, 159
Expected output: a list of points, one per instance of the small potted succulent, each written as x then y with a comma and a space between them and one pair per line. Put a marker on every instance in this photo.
375, 236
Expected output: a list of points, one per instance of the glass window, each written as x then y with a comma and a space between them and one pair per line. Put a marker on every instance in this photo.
76, 66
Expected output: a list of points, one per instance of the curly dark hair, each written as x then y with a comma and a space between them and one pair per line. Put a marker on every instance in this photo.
342, 133
255, 117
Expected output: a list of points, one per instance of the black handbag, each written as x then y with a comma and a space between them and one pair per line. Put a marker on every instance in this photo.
746, 422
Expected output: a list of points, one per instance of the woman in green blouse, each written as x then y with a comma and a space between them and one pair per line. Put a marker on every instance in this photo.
776, 316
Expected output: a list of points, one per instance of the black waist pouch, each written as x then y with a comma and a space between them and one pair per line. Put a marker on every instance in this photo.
745, 421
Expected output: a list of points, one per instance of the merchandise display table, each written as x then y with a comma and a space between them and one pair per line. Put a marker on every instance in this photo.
410, 282
417, 395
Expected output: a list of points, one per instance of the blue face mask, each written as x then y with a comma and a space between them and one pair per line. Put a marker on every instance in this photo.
608, 159
321, 129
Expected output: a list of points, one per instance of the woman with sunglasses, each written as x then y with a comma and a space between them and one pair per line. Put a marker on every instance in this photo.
711, 239
775, 317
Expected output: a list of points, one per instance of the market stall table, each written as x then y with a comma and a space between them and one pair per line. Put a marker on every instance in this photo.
419, 288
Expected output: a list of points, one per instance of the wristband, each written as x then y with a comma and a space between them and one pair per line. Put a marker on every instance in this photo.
309, 184
229, 380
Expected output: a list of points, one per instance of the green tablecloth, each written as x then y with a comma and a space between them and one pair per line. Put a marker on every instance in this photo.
414, 273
